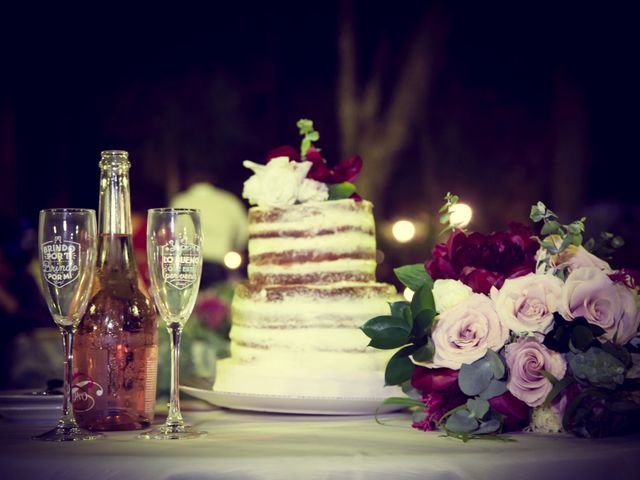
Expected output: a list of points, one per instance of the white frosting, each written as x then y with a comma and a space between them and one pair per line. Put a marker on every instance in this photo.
306, 339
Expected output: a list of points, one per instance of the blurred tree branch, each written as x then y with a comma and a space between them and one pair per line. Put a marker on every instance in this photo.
375, 121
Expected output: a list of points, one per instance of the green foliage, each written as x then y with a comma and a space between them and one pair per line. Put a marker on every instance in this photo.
597, 367
309, 135
605, 246
483, 377
445, 212
414, 276
387, 331
338, 191
556, 236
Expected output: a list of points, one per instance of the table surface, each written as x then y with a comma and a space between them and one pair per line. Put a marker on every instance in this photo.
246, 445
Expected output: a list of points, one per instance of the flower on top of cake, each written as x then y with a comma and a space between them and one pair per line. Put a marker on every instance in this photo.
290, 177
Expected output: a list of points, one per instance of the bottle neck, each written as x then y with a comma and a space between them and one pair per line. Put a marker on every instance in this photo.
115, 246
114, 213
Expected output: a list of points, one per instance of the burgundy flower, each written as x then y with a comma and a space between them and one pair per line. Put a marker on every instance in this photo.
631, 278
429, 380
436, 405
284, 151
440, 393
482, 261
346, 171
212, 311
516, 412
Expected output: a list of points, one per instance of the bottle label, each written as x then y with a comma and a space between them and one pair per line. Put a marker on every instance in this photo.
180, 263
84, 392
60, 261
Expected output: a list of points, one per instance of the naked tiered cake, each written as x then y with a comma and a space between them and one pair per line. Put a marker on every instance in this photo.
296, 322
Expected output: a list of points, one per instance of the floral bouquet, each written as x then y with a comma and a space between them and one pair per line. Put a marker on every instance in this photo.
512, 331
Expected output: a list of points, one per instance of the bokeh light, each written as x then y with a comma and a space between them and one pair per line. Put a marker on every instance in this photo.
233, 260
460, 215
403, 231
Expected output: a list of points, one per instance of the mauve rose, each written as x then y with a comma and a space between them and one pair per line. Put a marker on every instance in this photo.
482, 261
526, 304
463, 333
579, 257
589, 292
526, 360
516, 412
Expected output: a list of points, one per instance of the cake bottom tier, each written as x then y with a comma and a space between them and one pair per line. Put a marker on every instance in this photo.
298, 380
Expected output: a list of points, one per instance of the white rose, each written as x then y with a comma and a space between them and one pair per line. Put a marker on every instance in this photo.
448, 293
526, 304
545, 420
463, 333
275, 184
312, 191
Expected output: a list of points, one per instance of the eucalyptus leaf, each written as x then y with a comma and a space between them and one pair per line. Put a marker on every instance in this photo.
497, 365
476, 377
478, 407
495, 389
550, 227
488, 426
461, 421
598, 367
413, 276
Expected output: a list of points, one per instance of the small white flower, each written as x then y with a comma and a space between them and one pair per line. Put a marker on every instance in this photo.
545, 420
448, 293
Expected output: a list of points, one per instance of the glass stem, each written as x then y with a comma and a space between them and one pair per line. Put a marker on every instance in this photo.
174, 417
67, 420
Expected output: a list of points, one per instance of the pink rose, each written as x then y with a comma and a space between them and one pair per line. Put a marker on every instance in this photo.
579, 257
589, 292
526, 360
463, 333
526, 304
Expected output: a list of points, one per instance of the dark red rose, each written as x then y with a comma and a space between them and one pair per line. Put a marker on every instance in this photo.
631, 278
440, 393
429, 380
516, 412
346, 171
482, 261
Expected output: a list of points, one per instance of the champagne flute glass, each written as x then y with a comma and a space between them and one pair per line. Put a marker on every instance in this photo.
174, 240
67, 240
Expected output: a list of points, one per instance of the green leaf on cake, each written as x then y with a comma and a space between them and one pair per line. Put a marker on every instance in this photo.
338, 191
309, 135
413, 276
400, 367
387, 332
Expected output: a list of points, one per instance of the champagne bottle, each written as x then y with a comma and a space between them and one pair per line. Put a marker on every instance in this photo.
116, 347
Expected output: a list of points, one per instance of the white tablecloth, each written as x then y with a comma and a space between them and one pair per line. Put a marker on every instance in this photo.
269, 446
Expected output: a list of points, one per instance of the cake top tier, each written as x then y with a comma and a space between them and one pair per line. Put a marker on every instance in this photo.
290, 177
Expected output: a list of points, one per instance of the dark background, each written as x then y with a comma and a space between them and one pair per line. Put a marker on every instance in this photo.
502, 104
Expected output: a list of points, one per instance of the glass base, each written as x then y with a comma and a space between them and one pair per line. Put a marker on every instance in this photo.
172, 432
67, 434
